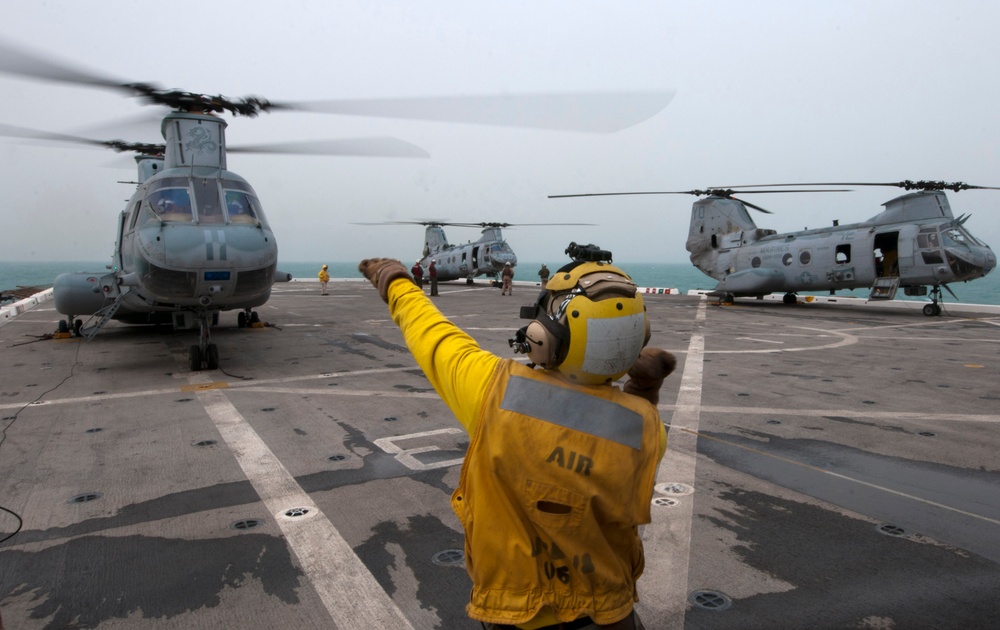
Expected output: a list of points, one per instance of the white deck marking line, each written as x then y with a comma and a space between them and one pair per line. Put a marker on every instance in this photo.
847, 413
845, 340
847, 478
938, 322
350, 593
664, 586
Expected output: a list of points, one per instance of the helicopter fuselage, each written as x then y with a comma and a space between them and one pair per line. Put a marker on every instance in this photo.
916, 241
192, 241
486, 256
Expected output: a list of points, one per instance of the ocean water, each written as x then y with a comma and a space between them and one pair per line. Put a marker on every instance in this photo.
681, 276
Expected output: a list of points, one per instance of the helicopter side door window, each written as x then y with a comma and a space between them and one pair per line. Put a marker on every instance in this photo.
134, 216
843, 254
171, 204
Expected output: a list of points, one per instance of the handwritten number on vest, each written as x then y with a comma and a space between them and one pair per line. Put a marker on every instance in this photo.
582, 563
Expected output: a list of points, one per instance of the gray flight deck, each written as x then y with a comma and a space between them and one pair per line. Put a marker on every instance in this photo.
829, 466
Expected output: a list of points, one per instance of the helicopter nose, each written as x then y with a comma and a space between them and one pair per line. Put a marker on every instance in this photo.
971, 262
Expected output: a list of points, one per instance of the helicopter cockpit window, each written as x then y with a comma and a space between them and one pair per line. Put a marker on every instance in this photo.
927, 238
171, 204
957, 237
206, 193
241, 207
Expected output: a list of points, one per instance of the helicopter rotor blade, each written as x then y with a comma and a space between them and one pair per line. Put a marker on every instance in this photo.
583, 111
117, 145
484, 224
599, 112
905, 184
489, 224
14, 60
355, 147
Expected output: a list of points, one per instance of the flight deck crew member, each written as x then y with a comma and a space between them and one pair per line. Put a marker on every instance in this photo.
324, 277
418, 274
551, 523
432, 273
543, 275
507, 277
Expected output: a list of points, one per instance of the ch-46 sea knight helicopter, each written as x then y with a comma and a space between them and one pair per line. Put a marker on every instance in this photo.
193, 240
914, 243
486, 256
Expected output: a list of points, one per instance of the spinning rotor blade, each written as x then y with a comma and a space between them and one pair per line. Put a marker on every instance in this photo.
485, 224
905, 184
16, 61
719, 193
585, 111
356, 147
117, 145
488, 224
726, 193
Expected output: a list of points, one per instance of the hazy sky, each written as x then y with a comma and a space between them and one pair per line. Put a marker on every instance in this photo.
766, 92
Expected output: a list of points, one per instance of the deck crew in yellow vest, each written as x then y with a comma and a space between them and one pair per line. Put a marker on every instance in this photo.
561, 463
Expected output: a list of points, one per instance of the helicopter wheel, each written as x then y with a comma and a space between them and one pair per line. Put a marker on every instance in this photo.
77, 327
241, 320
932, 310
194, 358
790, 298
212, 356
468, 281
254, 317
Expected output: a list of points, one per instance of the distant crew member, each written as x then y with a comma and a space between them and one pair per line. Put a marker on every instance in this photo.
418, 274
507, 276
543, 274
324, 277
432, 273
552, 522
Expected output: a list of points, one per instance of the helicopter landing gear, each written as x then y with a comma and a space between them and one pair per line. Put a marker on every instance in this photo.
790, 299
246, 317
933, 309
241, 318
205, 353
468, 281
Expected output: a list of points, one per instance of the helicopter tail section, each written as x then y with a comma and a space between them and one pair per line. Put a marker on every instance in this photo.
434, 239
718, 225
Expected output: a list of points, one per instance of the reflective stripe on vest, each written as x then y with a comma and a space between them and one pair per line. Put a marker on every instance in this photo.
573, 410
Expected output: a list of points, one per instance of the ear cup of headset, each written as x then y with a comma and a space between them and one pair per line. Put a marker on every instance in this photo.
544, 346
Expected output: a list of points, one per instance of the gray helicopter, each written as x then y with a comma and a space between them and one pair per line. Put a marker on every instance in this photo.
914, 243
193, 240
486, 256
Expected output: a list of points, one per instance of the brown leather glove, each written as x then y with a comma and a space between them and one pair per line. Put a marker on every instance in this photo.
381, 272
647, 373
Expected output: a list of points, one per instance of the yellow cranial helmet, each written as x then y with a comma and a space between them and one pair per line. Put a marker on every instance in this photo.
589, 323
